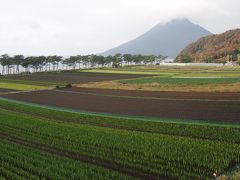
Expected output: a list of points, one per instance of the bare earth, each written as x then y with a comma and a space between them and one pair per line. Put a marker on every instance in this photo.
177, 105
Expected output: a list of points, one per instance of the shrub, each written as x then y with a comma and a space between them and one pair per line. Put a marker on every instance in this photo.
68, 85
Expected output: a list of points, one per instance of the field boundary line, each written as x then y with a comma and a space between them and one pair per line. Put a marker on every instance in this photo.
147, 73
26, 91
146, 98
25, 82
83, 158
121, 116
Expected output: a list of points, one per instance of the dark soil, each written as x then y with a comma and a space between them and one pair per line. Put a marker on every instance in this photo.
163, 94
72, 77
227, 111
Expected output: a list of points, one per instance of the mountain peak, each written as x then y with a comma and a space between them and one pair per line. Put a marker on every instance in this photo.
179, 20
167, 39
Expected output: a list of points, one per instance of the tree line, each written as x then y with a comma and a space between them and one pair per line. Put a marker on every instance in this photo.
12, 64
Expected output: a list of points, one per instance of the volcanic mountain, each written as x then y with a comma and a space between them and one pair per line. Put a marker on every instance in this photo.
167, 39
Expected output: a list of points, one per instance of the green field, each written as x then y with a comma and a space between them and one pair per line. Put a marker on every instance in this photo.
159, 149
188, 71
132, 71
25, 85
174, 78
159, 76
181, 81
21, 162
220, 74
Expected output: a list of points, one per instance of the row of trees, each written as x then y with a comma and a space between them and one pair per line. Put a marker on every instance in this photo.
12, 64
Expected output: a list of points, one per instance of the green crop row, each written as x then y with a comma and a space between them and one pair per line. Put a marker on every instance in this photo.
133, 71
219, 133
180, 81
24, 82
20, 162
170, 156
24, 85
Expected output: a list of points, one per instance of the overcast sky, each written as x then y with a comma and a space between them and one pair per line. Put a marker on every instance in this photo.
70, 27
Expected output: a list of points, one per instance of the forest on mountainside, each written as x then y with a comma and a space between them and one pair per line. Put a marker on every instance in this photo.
220, 48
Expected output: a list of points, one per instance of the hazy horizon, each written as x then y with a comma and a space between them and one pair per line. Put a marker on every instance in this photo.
78, 27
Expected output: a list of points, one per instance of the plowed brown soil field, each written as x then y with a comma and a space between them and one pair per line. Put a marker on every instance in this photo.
72, 77
177, 105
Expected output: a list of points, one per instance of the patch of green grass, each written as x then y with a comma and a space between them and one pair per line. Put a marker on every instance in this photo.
209, 74
37, 83
21, 87
180, 81
25, 85
131, 71
171, 71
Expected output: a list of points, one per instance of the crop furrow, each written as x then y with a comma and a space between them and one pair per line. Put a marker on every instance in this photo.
84, 158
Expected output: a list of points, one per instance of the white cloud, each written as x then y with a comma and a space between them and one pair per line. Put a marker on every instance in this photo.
67, 27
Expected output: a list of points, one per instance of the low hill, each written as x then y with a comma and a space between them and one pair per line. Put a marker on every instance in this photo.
166, 39
219, 48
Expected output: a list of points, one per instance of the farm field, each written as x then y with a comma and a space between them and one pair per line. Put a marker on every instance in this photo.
25, 85
185, 79
70, 77
109, 125
92, 146
156, 70
49, 80
120, 90
182, 80
4, 90
224, 109
133, 70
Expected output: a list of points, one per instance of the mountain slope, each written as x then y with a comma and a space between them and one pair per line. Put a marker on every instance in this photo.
166, 39
216, 48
